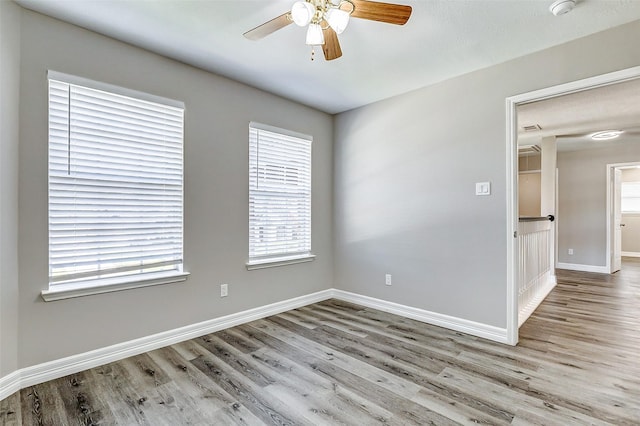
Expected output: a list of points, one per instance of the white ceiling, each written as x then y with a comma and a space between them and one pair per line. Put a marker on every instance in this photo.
572, 118
442, 39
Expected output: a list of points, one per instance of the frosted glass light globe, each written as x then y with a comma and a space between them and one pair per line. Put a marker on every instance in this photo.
302, 13
314, 35
337, 19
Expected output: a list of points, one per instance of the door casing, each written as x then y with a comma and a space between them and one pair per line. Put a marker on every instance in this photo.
512, 176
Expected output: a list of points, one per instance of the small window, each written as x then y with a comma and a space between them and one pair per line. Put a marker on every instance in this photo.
279, 195
115, 183
630, 195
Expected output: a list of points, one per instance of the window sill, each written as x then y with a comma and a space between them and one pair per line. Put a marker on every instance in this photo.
107, 285
279, 261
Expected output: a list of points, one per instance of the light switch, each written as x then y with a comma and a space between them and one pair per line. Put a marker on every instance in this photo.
483, 188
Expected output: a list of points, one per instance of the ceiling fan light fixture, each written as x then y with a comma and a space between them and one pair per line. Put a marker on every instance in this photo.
338, 19
302, 12
606, 135
314, 35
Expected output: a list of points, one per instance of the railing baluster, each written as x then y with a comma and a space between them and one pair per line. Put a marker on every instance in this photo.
535, 265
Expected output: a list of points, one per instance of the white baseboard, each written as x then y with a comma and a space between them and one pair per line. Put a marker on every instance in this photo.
485, 331
583, 268
9, 384
630, 254
51, 370
55, 369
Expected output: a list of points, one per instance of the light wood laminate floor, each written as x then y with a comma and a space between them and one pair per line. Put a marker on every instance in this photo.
578, 362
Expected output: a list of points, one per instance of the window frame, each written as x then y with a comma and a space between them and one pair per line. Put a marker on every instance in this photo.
96, 284
285, 257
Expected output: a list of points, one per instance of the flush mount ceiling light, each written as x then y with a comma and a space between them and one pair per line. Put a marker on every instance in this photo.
560, 7
328, 18
606, 135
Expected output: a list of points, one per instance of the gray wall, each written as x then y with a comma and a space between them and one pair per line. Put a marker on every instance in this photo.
405, 173
631, 230
631, 233
9, 102
529, 194
218, 112
582, 201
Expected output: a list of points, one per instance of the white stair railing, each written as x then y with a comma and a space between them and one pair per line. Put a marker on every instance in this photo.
536, 267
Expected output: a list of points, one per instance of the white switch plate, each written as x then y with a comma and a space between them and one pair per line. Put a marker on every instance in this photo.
483, 188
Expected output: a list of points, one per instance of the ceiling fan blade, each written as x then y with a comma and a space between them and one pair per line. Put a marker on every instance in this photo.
397, 14
269, 27
331, 46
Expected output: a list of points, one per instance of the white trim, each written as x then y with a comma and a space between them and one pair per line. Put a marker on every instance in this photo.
533, 304
485, 331
279, 261
630, 254
583, 268
274, 129
55, 369
9, 384
112, 88
609, 210
512, 222
107, 285
512, 161
75, 363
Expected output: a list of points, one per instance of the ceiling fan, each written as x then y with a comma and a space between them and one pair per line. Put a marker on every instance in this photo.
328, 18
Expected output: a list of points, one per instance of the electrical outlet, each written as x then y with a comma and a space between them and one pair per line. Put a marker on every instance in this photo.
387, 279
224, 290
570, 251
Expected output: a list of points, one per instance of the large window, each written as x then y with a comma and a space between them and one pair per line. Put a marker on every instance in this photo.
630, 194
279, 196
115, 184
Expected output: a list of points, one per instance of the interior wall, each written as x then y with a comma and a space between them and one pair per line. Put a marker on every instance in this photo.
217, 116
631, 230
582, 187
405, 174
548, 176
529, 194
9, 105
529, 185
531, 162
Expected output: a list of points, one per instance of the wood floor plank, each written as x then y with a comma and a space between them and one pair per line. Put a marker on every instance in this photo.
335, 362
263, 405
42, 405
82, 405
10, 412
305, 350
374, 390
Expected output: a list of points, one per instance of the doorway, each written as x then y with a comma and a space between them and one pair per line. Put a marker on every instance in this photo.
623, 213
512, 174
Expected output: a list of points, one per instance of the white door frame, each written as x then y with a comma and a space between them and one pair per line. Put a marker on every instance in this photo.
610, 222
512, 174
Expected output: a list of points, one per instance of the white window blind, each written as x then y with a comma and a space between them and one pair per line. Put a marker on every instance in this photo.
279, 193
115, 183
630, 193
